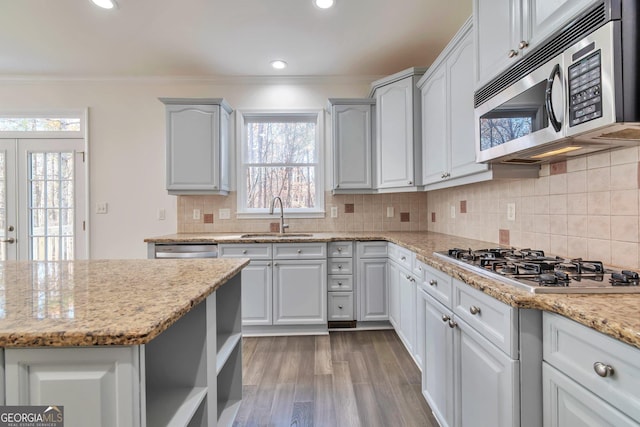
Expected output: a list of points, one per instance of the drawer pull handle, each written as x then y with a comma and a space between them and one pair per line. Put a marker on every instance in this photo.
339, 266
433, 282
299, 251
445, 318
340, 307
339, 249
452, 324
244, 251
474, 310
339, 283
602, 369
403, 258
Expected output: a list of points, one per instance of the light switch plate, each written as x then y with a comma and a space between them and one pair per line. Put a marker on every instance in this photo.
453, 211
162, 214
196, 214
511, 211
334, 212
102, 207
224, 213
390, 211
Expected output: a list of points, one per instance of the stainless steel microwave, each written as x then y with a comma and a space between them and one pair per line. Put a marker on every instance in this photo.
577, 93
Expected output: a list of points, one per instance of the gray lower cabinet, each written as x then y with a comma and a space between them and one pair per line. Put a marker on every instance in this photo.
589, 379
372, 297
284, 284
477, 368
340, 282
299, 292
197, 145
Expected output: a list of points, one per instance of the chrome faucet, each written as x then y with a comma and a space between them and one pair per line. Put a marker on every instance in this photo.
273, 204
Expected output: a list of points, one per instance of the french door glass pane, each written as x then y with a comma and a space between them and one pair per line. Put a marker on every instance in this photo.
51, 209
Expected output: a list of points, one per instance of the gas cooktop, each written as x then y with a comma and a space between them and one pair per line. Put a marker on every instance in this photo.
531, 270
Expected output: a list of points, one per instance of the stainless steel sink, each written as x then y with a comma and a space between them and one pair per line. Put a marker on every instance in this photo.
273, 235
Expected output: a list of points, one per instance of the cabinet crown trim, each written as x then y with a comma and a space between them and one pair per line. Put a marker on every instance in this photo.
198, 101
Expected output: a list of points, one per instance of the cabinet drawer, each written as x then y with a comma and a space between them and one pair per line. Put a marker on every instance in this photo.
494, 320
339, 282
574, 349
419, 269
401, 256
340, 306
373, 249
439, 285
299, 250
340, 266
253, 251
340, 249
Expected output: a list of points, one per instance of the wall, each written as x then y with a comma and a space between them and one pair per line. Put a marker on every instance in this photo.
126, 139
585, 207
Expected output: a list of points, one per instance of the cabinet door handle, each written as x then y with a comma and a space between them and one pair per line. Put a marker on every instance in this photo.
408, 277
523, 45
275, 265
340, 307
602, 369
244, 251
433, 282
452, 324
269, 264
410, 182
299, 251
445, 318
512, 53
403, 258
474, 310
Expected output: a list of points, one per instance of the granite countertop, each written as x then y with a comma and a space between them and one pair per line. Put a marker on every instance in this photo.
102, 302
616, 315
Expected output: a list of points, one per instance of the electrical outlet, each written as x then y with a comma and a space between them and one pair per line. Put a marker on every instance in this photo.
224, 213
196, 214
334, 212
511, 211
453, 211
162, 214
390, 212
102, 208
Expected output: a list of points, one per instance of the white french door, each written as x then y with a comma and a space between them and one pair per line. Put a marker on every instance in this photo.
42, 216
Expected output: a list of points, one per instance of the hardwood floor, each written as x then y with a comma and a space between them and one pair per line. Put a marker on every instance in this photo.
363, 378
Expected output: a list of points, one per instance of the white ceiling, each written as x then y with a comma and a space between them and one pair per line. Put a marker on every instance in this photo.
207, 38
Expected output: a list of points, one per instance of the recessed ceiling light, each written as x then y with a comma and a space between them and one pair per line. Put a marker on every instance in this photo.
279, 64
105, 4
324, 4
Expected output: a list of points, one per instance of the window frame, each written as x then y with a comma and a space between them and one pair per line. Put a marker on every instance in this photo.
257, 213
69, 113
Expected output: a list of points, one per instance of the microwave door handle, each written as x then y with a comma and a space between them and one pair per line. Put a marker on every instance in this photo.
552, 115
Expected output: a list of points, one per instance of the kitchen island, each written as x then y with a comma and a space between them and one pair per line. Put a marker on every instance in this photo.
123, 342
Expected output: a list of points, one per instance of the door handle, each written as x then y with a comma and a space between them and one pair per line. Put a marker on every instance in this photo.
9, 240
547, 100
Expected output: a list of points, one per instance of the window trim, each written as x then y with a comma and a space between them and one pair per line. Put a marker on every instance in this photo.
241, 208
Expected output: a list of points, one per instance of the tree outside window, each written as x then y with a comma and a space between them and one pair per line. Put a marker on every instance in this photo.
280, 157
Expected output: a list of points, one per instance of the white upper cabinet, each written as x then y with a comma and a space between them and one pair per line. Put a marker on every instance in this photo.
506, 30
352, 133
197, 157
398, 130
448, 150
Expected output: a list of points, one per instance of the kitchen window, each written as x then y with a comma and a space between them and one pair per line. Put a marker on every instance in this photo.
280, 156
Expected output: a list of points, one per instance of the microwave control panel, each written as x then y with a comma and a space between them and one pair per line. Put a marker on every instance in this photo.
585, 84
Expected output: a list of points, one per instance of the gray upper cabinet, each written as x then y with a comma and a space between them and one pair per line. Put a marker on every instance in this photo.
352, 122
447, 113
506, 30
198, 139
398, 130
